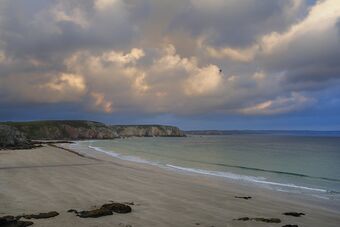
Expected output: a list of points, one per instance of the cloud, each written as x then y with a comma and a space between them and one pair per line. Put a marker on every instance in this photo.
101, 103
67, 82
50, 88
120, 58
190, 57
279, 105
241, 55
105, 4
237, 24
204, 81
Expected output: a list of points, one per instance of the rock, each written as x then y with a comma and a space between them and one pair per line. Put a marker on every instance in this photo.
41, 215
11, 221
266, 220
294, 214
243, 197
77, 130
117, 208
12, 138
104, 210
94, 213
290, 226
147, 131
64, 130
242, 219
72, 211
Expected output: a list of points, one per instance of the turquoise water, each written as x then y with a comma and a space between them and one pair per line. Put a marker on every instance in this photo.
298, 164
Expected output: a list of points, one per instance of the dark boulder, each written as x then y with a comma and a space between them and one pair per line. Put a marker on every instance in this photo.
104, 210
11, 221
117, 208
243, 197
94, 213
266, 220
294, 214
41, 215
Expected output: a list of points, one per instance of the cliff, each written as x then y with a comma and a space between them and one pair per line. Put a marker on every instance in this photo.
64, 130
78, 130
11, 138
147, 130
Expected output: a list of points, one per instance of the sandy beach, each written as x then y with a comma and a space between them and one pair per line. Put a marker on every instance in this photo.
53, 179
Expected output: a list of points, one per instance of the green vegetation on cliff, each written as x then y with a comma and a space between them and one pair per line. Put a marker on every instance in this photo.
12, 138
78, 129
58, 130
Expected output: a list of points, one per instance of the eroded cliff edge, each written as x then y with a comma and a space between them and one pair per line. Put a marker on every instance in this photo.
80, 130
12, 138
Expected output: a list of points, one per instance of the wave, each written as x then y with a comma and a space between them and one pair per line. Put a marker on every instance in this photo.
233, 176
274, 171
228, 175
250, 168
123, 157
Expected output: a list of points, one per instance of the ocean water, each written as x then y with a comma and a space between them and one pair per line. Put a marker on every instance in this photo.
293, 163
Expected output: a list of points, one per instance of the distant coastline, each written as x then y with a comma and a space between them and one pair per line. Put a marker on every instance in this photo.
263, 132
21, 135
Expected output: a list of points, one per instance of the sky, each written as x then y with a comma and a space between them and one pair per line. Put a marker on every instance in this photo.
196, 64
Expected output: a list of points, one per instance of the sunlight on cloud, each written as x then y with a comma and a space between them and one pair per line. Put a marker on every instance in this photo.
321, 19
319, 25
204, 81
101, 102
241, 55
76, 16
67, 81
140, 83
279, 105
121, 58
2, 56
105, 4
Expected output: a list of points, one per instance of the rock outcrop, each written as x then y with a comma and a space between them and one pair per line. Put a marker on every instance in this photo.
78, 130
12, 138
64, 130
147, 131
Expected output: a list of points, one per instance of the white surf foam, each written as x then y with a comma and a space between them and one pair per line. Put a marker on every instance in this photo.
123, 157
228, 175
259, 180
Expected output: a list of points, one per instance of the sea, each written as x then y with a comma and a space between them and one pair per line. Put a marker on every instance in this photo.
295, 163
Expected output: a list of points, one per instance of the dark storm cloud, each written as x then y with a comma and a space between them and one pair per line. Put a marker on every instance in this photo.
60, 27
237, 23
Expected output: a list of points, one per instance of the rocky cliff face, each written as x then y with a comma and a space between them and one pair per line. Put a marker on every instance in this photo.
11, 138
65, 130
147, 130
77, 130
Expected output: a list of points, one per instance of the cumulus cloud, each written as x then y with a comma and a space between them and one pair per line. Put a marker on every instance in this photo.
252, 57
101, 103
51, 88
204, 81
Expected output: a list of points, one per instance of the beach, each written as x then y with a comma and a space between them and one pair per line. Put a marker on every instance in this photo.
54, 179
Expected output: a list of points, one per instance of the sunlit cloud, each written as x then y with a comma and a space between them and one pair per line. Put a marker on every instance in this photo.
279, 105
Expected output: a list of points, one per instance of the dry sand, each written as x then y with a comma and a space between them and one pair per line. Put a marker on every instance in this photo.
52, 179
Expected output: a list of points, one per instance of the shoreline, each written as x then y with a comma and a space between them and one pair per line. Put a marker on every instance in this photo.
50, 178
234, 178
91, 152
